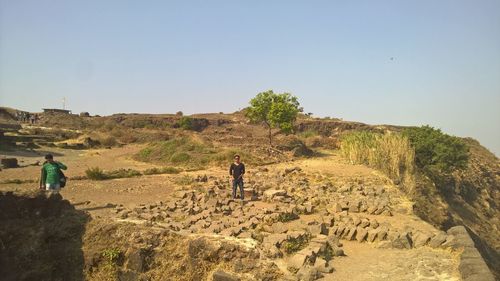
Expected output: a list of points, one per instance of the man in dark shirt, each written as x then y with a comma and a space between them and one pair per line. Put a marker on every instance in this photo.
237, 170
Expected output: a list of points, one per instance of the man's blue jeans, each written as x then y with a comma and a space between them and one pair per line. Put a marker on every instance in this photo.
236, 183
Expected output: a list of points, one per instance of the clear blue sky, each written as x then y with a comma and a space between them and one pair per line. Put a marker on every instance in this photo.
209, 56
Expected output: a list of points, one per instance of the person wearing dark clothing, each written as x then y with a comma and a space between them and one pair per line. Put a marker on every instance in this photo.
237, 170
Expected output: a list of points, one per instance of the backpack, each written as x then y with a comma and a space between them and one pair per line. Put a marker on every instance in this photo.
62, 179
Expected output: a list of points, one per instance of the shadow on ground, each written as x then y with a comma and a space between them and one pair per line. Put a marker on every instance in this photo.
40, 238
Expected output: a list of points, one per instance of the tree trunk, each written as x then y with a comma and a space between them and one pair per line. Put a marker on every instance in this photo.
270, 137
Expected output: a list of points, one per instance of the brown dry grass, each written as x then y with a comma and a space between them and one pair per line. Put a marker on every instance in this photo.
390, 153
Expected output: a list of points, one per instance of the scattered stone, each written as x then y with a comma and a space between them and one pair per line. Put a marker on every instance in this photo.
223, 276
361, 234
372, 234
279, 227
270, 194
135, 260
421, 239
365, 223
296, 262
337, 251
308, 273
354, 206
319, 228
322, 266
351, 235
437, 240
402, 242
308, 208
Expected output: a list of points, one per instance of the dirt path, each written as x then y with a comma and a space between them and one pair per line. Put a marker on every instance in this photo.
364, 262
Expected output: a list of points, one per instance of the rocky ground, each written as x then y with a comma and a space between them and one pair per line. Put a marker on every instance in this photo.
309, 219
317, 218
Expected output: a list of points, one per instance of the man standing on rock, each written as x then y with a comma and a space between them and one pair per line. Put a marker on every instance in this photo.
237, 170
51, 174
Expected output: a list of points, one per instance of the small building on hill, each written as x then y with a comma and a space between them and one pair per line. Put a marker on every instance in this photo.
56, 110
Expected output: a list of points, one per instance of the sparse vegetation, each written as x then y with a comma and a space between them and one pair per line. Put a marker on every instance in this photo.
185, 123
112, 256
163, 170
96, 173
184, 180
186, 152
123, 173
286, 217
293, 245
391, 153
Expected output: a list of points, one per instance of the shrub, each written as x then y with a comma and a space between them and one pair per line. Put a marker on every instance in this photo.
123, 173
436, 151
293, 245
185, 123
95, 173
112, 256
163, 170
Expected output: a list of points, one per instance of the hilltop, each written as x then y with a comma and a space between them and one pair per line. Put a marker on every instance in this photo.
311, 206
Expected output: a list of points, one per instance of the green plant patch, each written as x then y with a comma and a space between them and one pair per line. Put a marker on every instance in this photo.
163, 170
294, 245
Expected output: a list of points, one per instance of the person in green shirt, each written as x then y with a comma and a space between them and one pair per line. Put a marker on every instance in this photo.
51, 174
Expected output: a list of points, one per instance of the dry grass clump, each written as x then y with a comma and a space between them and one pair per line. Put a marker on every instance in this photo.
390, 153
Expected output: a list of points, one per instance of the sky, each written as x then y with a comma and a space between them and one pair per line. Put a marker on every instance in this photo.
410, 62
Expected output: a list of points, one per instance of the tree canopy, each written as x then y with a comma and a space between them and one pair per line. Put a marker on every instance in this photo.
274, 110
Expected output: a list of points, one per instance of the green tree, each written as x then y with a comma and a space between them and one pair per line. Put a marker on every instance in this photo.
436, 151
274, 110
